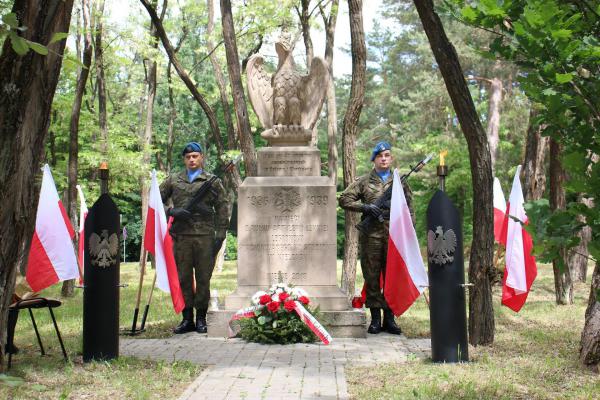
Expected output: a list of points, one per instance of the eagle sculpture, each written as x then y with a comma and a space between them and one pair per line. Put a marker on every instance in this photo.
441, 246
103, 248
287, 103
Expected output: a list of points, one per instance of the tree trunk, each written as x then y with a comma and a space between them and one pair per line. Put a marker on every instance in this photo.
172, 117
349, 135
578, 256
146, 139
86, 60
481, 313
589, 353
24, 121
101, 81
563, 283
208, 111
304, 17
235, 79
534, 172
231, 140
493, 126
330, 24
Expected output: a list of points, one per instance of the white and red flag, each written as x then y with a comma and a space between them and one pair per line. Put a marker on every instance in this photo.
405, 276
499, 209
51, 256
83, 212
520, 271
158, 242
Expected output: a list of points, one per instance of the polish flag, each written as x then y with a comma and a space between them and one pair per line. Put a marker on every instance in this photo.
158, 242
51, 256
499, 209
83, 212
520, 271
405, 277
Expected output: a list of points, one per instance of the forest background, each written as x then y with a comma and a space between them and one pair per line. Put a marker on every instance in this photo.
406, 101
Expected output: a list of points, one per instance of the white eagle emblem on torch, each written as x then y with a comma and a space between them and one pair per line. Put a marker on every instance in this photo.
441, 246
103, 249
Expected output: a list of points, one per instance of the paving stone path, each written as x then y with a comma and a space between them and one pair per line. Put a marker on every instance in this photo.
241, 370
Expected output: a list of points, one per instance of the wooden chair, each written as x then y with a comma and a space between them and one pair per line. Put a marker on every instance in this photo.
29, 304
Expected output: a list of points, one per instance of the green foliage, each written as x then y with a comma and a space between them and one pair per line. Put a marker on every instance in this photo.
556, 43
10, 27
551, 232
231, 247
281, 328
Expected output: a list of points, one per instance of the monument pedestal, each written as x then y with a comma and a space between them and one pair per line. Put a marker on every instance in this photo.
287, 233
340, 324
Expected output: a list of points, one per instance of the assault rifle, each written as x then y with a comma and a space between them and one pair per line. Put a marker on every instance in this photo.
364, 226
205, 188
195, 204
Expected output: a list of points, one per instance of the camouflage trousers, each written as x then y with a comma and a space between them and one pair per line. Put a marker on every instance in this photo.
373, 255
194, 258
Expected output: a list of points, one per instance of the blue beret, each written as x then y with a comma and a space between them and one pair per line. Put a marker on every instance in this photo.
191, 147
379, 147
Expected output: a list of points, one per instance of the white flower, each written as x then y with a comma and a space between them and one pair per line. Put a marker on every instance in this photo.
275, 297
299, 292
256, 297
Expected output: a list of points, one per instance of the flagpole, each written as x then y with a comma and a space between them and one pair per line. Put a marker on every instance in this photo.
139, 293
143, 324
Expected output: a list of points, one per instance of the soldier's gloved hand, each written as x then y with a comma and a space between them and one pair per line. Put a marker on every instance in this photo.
179, 213
385, 215
371, 209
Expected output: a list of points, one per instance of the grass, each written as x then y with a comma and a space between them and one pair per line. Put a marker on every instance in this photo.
534, 356
49, 377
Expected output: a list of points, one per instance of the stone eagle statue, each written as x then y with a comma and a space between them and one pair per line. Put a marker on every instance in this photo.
287, 103
441, 246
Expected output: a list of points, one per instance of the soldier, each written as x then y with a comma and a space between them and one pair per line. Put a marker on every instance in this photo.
359, 197
198, 232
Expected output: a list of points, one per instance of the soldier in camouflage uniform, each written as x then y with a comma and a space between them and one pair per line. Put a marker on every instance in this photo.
359, 197
198, 233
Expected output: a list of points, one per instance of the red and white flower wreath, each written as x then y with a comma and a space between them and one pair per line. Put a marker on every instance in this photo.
291, 299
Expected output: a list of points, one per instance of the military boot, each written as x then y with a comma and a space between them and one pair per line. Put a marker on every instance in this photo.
389, 323
187, 324
375, 326
201, 320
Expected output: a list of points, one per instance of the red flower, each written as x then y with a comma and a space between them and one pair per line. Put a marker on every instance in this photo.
283, 296
304, 300
289, 306
264, 299
273, 306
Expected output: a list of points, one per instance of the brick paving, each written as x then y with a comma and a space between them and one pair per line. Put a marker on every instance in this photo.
240, 370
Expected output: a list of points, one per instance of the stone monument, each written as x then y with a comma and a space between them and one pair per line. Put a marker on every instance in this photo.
287, 214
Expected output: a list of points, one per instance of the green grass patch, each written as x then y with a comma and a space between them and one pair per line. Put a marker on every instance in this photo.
534, 356
33, 376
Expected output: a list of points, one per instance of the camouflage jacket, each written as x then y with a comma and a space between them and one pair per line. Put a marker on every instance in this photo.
367, 189
212, 216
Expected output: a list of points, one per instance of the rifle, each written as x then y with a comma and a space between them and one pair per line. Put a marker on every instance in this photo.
364, 226
207, 186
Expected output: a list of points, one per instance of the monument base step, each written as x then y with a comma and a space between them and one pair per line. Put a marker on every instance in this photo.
342, 324
328, 297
